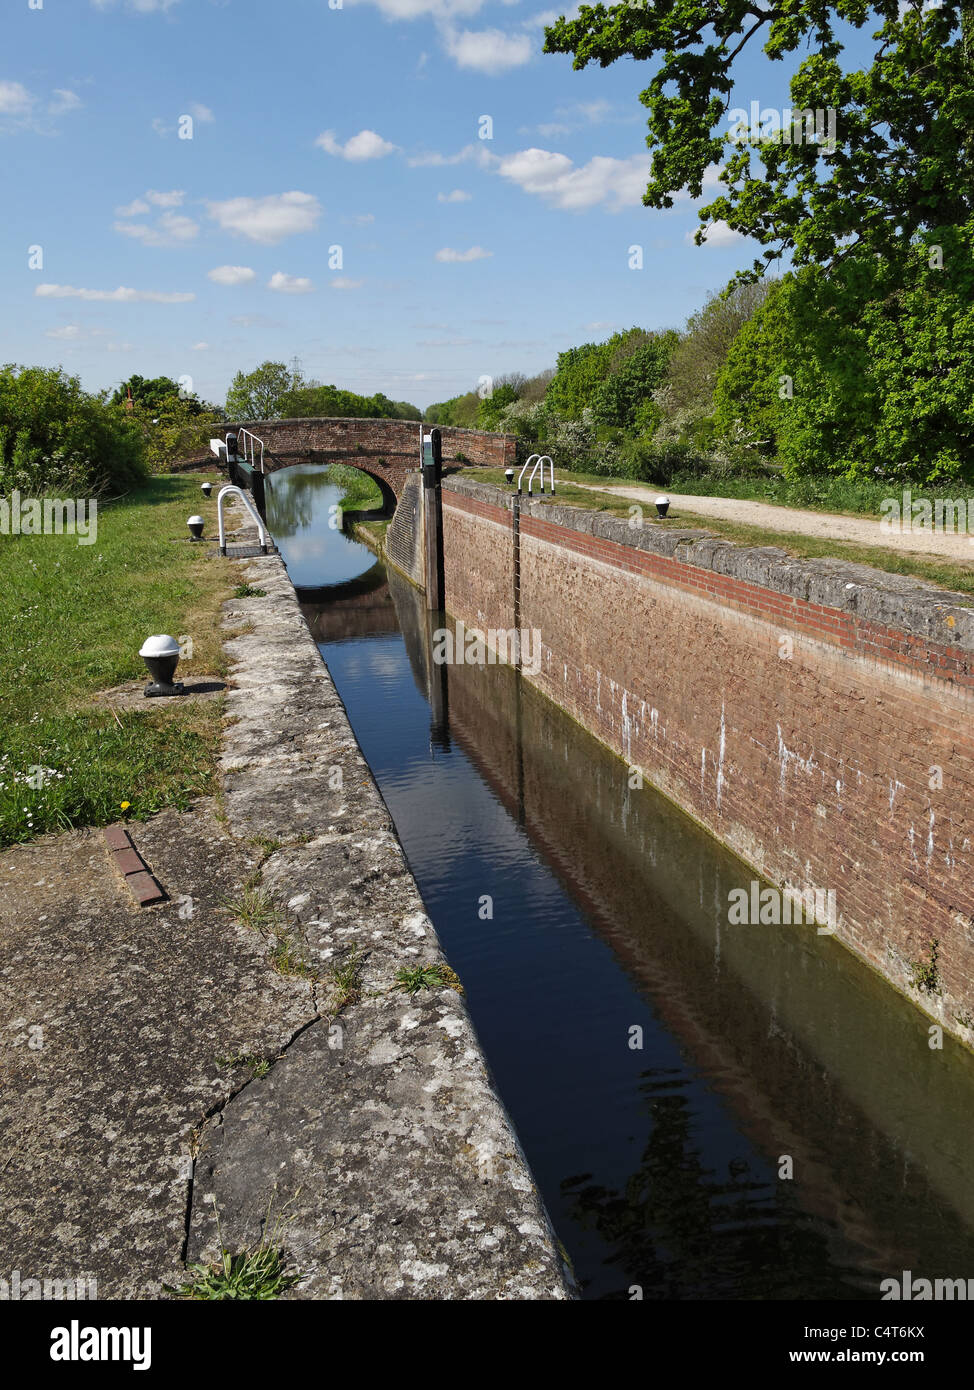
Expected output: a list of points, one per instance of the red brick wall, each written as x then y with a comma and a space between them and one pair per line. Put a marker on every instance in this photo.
799, 732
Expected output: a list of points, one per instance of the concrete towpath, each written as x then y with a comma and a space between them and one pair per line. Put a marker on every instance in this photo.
239, 1062
861, 530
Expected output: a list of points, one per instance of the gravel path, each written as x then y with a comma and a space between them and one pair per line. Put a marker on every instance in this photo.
863, 530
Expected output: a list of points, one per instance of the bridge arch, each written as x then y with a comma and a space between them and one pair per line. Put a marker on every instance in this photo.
387, 450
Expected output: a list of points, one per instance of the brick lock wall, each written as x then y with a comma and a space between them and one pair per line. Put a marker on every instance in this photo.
797, 709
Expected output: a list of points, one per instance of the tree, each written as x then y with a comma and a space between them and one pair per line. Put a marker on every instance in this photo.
155, 394
578, 375
625, 398
703, 346
258, 395
900, 163
313, 399
866, 371
460, 411
493, 406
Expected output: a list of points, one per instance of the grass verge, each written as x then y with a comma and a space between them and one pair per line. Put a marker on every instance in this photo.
72, 619
943, 573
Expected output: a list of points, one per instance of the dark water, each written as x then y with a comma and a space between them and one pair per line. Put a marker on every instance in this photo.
762, 1051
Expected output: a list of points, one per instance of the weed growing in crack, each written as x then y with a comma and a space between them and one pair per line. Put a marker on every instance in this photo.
288, 958
411, 979
259, 1066
925, 974
347, 978
257, 1273
254, 908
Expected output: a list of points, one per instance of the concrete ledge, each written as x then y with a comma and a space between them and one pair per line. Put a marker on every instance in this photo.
897, 601
376, 1138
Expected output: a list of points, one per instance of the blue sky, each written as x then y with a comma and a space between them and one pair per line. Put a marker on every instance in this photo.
313, 128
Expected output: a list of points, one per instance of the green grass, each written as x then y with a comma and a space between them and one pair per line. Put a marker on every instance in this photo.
359, 491
257, 1066
254, 1274
411, 979
72, 619
347, 978
946, 574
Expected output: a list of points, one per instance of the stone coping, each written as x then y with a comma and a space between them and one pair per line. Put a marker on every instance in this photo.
877, 596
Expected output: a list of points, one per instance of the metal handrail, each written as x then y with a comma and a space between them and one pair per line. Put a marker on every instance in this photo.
524, 470
262, 532
248, 441
542, 459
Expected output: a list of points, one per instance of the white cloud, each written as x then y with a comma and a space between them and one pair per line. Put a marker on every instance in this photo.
120, 296
363, 219
134, 209
617, 183
139, 6
14, 99
172, 199
63, 101
289, 284
267, 220
200, 347
476, 253
457, 196
717, 234
476, 153
365, 145
415, 9
232, 275
201, 113
489, 50
69, 332
172, 229
342, 282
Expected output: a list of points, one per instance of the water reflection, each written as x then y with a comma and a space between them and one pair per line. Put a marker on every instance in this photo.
301, 515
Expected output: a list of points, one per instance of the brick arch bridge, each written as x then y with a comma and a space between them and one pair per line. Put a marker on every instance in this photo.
387, 450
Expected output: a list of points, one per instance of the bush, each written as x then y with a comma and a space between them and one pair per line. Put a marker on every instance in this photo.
54, 437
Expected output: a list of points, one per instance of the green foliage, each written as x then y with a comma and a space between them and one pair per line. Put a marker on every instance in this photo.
254, 1274
311, 400
625, 396
578, 376
154, 394
275, 391
56, 437
901, 159
701, 348
258, 395
492, 407
459, 411
174, 429
881, 361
